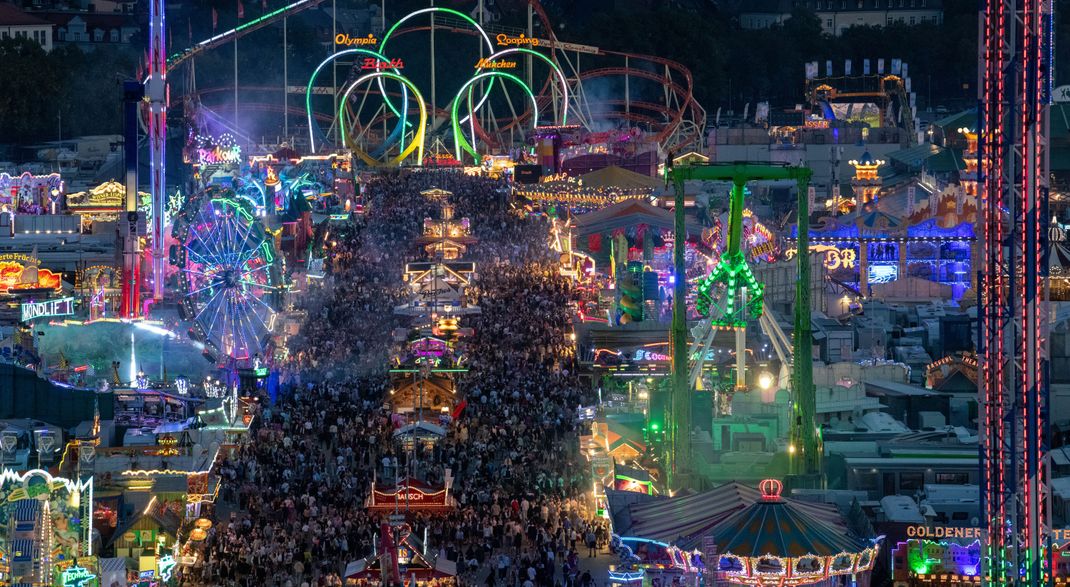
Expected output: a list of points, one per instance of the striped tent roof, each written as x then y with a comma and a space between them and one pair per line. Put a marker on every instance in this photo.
26, 510
782, 528
683, 521
1059, 260
22, 549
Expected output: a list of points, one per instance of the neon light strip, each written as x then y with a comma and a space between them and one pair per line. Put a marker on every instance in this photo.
240, 28
459, 140
461, 15
418, 141
316, 72
557, 70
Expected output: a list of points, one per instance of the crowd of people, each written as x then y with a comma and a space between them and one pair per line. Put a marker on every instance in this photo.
298, 483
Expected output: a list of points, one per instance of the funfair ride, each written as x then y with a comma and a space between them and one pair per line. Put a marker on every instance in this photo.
1017, 45
230, 272
734, 275
675, 121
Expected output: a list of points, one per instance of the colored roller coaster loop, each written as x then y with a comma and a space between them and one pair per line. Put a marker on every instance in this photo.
312, 126
418, 140
555, 71
434, 9
459, 141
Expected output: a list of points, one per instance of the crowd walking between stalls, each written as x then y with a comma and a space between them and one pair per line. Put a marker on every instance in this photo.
298, 484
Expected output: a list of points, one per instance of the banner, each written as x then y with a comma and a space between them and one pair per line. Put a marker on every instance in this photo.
865, 67
828, 68
847, 67
897, 66
405, 495
880, 66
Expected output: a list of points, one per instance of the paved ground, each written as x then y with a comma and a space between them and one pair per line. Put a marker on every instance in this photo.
598, 566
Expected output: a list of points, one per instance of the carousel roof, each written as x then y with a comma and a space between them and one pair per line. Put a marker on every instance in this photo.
1059, 261
867, 159
618, 177
773, 525
685, 520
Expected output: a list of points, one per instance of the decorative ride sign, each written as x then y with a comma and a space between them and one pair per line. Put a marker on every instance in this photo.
47, 308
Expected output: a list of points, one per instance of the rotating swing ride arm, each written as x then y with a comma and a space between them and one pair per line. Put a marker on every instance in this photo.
733, 266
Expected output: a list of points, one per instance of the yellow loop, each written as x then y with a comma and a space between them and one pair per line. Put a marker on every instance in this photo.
418, 139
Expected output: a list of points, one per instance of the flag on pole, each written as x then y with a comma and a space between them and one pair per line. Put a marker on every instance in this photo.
241, 10
189, 25
215, 19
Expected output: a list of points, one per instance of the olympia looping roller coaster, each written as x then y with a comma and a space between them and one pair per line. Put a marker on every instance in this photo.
675, 120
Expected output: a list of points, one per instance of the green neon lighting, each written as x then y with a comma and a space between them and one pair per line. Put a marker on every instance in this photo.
553, 65
241, 28
433, 9
418, 140
315, 74
733, 272
459, 140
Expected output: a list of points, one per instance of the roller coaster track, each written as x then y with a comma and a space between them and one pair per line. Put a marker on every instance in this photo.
239, 31
676, 122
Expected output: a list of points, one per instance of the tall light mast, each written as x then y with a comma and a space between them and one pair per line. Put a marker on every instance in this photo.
1015, 91
156, 92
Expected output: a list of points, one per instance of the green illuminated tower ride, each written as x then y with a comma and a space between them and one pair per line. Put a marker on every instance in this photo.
733, 272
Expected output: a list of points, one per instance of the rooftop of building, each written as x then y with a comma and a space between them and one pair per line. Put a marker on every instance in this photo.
902, 509
11, 15
892, 388
943, 493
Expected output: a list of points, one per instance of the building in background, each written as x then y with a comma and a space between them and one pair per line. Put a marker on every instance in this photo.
15, 23
837, 15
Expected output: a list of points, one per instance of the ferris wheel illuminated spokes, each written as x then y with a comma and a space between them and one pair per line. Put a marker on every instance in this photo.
229, 274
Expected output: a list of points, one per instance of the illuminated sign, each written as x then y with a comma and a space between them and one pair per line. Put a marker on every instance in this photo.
376, 64
60, 307
506, 40
17, 272
645, 355
943, 532
77, 577
485, 63
409, 494
166, 566
344, 39
214, 151
110, 195
835, 258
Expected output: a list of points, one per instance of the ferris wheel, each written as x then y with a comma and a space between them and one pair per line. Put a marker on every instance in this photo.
229, 273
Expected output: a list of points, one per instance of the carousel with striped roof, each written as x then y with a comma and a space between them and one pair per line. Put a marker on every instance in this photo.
736, 535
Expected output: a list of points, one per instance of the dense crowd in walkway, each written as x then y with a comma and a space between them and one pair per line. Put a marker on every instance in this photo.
299, 481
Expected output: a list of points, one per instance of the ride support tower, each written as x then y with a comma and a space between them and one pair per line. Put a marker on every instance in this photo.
1015, 90
156, 91
805, 461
